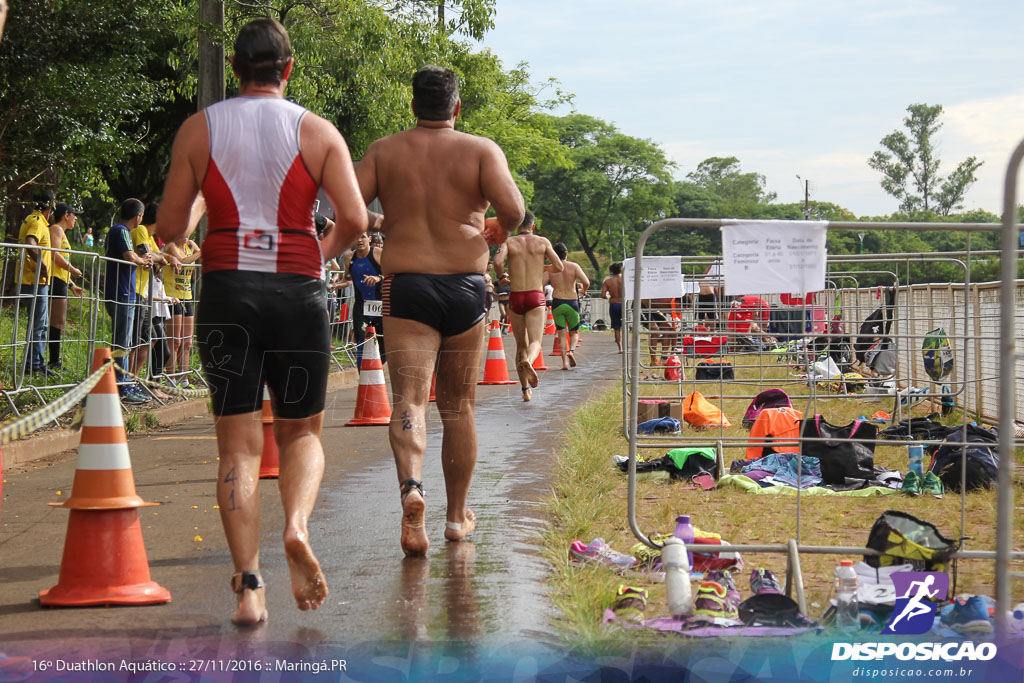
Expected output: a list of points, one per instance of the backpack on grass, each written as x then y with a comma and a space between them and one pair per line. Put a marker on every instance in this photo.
905, 539
982, 458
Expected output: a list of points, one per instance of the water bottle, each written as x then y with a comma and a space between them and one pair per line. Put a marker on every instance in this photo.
685, 533
677, 578
915, 459
847, 610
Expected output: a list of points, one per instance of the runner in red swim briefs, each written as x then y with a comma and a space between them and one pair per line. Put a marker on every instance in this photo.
526, 252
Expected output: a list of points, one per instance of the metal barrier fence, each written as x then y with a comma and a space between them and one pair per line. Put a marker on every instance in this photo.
972, 330
85, 323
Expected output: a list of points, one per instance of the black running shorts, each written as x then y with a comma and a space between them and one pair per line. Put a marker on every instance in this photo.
451, 304
253, 328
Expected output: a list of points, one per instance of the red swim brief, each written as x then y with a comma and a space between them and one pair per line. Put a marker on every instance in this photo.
521, 302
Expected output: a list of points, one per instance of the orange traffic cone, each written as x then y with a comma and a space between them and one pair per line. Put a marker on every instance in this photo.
495, 369
104, 559
539, 363
549, 326
556, 347
372, 404
270, 461
433, 388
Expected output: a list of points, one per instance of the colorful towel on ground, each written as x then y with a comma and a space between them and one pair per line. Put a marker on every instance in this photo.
751, 486
782, 468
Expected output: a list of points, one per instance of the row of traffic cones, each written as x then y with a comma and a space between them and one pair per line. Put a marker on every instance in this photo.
104, 560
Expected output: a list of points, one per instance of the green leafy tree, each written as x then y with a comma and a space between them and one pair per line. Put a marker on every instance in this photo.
689, 200
910, 167
739, 194
617, 183
72, 109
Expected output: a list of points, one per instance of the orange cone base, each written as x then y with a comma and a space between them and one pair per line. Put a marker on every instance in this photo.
433, 389
270, 461
372, 406
104, 563
500, 381
539, 363
556, 347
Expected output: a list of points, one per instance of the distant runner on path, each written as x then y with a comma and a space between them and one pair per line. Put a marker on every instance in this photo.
611, 289
525, 253
565, 305
435, 184
259, 161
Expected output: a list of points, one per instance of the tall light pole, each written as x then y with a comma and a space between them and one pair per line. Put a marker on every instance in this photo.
211, 63
806, 184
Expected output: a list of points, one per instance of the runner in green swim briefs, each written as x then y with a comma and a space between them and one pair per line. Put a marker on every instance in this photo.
565, 304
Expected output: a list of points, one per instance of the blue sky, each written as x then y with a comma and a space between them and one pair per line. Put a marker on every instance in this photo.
790, 87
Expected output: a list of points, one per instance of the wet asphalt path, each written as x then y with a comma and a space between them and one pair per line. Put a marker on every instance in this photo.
487, 596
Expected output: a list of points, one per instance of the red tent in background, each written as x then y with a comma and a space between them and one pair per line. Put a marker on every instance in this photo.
747, 309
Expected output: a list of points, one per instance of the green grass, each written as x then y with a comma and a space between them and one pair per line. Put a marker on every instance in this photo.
588, 500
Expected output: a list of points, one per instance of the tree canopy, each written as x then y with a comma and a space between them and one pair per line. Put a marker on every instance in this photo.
94, 119
910, 167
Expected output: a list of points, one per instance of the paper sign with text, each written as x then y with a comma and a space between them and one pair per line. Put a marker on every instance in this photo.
774, 257
661, 277
372, 308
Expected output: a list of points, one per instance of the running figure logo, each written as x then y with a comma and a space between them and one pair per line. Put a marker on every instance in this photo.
917, 592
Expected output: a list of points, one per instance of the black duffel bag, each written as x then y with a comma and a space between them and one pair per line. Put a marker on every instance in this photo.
843, 455
711, 369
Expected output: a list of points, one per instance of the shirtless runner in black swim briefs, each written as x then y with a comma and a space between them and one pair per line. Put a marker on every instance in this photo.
435, 184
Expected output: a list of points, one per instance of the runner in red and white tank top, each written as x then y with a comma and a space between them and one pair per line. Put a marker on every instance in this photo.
262, 316
259, 196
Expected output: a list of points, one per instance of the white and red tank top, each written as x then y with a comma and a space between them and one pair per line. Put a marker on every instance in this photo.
259, 195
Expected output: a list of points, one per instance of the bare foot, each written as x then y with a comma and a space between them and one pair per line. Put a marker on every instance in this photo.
252, 608
527, 394
454, 531
414, 530
308, 584
529, 372
572, 358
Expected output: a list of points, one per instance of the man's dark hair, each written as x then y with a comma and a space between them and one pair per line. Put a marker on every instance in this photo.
528, 220
262, 51
561, 250
615, 268
43, 199
435, 92
131, 208
149, 215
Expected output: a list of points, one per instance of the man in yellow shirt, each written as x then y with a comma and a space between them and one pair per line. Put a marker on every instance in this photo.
35, 278
145, 246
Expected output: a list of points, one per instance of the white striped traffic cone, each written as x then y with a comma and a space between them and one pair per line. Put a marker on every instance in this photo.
372, 404
495, 369
104, 560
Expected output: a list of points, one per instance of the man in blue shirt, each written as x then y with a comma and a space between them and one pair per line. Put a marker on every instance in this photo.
119, 292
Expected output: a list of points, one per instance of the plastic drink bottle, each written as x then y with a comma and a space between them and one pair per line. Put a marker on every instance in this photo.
685, 533
915, 459
847, 610
677, 579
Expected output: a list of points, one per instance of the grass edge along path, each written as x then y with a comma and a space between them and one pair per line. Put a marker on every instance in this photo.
582, 504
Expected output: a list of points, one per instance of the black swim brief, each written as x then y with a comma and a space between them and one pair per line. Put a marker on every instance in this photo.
253, 328
451, 304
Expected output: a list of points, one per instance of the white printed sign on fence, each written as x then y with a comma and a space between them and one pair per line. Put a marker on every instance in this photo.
661, 277
773, 257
